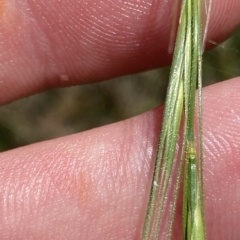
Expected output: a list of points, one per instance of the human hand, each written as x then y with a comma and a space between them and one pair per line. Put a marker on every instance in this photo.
94, 185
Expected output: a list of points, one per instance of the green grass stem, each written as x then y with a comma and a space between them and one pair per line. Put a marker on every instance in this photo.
186, 74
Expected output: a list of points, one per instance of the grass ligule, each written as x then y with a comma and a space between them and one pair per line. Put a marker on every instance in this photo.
180, 108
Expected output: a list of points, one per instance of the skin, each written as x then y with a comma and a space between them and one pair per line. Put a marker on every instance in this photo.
94, 185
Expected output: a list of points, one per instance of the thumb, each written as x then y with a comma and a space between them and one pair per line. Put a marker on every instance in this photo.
95, 184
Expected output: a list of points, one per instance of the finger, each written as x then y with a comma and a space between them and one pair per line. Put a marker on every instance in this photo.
97, 183
221, 168
59, 43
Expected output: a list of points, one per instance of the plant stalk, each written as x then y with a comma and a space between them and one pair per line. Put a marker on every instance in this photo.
180, 110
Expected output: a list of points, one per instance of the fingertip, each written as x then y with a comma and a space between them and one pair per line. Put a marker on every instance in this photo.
56, 45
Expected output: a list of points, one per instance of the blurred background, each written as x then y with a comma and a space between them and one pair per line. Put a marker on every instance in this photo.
65, 111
